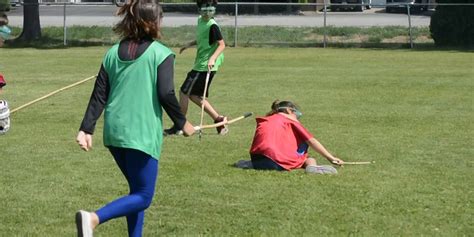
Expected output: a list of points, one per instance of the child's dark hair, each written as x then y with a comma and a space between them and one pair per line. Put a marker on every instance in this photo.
3, 19
201, 3
282, 106
141, 19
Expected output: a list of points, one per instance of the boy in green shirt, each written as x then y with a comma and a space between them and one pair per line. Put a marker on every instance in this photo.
210, 46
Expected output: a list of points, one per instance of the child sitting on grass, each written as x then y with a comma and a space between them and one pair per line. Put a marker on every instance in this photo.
4, 110
281, 143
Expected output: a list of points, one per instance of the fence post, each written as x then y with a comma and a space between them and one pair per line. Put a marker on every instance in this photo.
64, 25
409, 26
325, 30
235, 23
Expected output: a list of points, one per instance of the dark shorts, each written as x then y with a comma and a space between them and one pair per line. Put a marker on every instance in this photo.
195, 82
261, 162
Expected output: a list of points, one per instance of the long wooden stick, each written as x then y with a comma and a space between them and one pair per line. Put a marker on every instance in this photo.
50, 94
203, 101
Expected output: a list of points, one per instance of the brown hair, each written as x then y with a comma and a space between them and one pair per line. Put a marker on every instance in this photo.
141, 19
206, 2
281, 106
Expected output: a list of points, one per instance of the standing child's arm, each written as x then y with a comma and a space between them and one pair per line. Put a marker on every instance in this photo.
219, 50
94, 109
190, 44
317, 146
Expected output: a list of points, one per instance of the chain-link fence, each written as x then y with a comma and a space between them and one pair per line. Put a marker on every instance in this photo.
365, 24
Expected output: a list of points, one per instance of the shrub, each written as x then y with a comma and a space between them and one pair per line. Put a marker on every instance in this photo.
4, 5
453, 25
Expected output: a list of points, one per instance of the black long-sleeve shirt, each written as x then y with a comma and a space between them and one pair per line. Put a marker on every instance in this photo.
131, 50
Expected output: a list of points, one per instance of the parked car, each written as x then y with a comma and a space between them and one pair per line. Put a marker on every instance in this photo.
347, 5
15, 3
401, 5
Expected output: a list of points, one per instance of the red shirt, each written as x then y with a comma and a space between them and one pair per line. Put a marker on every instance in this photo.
2, 81
281, 139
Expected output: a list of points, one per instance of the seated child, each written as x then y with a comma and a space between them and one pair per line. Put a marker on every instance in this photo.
4, 111
281, 143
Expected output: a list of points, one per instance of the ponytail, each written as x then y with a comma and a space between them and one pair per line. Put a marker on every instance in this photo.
141, 18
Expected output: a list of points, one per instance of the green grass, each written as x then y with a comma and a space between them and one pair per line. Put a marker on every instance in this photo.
409, 111
381, 37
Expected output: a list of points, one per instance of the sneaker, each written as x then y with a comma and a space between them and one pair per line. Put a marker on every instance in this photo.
221, 130
244, 164
83, 224
320, 169
171, 131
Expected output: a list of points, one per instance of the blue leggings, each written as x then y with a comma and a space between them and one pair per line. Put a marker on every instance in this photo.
141, 172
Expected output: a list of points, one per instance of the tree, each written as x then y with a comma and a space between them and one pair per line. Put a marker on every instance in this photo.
452, 25
31, 21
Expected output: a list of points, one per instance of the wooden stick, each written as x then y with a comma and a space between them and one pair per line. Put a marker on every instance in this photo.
358, 162
200, 128
203, 101
246, 115
50, 94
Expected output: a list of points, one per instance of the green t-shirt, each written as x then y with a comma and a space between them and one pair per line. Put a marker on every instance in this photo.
204, 50
133, 113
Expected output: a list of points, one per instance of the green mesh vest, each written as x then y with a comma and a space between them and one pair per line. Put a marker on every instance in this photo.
133, 114
204, 50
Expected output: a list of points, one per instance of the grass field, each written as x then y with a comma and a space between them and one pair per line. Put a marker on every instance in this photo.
409, 111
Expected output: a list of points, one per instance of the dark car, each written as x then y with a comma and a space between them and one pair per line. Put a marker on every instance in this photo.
356, 5
401, 5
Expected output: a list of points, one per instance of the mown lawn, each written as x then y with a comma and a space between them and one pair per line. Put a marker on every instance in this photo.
409, 111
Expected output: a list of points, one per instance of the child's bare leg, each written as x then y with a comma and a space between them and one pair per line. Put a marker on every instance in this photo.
94, 220
183, 102
207, 106
310, 162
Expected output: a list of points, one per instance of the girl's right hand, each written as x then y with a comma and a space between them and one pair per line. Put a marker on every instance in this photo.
188, 129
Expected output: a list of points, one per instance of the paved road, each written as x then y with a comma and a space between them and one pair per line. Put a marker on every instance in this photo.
104, 16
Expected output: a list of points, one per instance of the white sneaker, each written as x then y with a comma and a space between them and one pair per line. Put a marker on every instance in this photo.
83, 224
320, 169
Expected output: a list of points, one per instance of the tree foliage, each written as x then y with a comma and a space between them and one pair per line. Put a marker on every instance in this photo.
453, 25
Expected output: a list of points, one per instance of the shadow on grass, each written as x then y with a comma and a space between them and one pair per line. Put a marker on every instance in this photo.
53, 43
